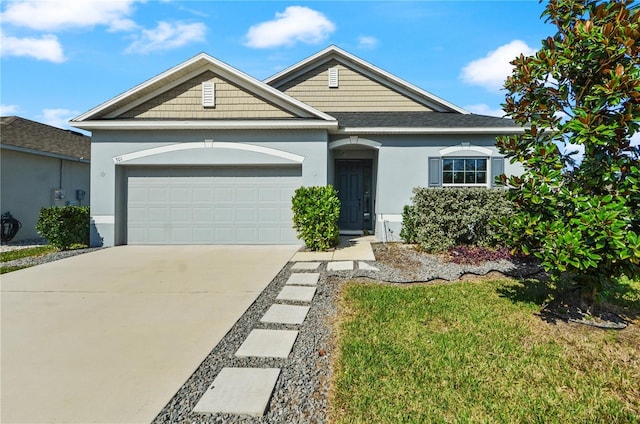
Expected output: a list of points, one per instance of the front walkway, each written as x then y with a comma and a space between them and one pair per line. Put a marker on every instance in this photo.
275, 359
352, 248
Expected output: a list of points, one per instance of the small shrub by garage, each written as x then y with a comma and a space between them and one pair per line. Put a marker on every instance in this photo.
316, 211
441, 218
64, 226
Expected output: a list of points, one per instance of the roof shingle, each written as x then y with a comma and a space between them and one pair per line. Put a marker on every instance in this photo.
418, 120
26, 134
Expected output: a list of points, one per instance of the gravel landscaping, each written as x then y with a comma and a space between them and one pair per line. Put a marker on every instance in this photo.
300, 395
50, 257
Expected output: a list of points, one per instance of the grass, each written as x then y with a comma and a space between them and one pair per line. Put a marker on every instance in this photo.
21, 254
12, 255
475, 351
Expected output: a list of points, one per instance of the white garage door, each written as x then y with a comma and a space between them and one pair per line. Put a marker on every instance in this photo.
239, 205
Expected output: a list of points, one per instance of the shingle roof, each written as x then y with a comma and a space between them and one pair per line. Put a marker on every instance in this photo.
418, 120
23, 133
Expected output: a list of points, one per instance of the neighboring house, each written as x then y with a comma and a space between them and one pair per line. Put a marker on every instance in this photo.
41, 166
204, 153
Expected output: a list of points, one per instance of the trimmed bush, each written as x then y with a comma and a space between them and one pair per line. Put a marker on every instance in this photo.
316, 211
441, 218
64, 226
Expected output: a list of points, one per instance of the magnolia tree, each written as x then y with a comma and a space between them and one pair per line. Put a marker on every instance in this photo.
580, 93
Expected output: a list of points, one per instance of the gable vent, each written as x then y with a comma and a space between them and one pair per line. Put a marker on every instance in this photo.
208, 94
333, 77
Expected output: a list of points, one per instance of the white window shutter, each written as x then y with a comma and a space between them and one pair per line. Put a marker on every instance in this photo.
208, 94
333, 77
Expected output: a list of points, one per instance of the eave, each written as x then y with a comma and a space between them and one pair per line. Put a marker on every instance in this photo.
428, 130
205, 124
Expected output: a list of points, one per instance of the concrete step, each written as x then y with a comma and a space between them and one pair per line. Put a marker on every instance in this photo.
285, 314
268, 344
239, 391
304, 279
297, 293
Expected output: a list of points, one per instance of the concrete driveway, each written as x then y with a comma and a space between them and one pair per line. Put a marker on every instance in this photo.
110, 336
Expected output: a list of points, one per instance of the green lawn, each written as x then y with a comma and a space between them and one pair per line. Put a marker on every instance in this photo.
20, 254
476, 352
26, 252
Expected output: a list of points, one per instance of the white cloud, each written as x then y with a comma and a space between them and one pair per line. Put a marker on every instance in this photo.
492, 70
167, 36
367, 42
57, 15
57, 117
482, 109
295, 24
46, 47
123, 25
8, 110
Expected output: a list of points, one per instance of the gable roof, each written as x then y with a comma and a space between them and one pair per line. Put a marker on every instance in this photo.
28, 136
379, 75
104, 115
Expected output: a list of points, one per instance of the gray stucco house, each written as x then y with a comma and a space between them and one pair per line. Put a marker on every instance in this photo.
205, 154
41, 166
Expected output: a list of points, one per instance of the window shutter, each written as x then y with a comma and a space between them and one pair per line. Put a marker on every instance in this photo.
208, 94
435, 172
333, 77
497, 169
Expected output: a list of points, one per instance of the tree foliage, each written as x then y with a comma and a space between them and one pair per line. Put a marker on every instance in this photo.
579, 92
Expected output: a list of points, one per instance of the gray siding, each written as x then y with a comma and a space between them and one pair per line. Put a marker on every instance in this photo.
355, 92
403, 164
109, 209
27, 184
185, 102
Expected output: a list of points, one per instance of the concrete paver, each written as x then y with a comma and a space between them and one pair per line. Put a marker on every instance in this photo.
297, 293
110, 336
268, 343
340, 266
309, 266
239, 391
285, 314
365, 266
351, 248
304, 279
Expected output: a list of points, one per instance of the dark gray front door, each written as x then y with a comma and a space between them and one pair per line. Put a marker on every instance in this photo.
353, 183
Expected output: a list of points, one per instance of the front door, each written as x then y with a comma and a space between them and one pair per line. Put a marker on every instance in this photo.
353, 183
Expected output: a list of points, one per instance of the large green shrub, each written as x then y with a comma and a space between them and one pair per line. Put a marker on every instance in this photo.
441, 218
316, 211
581, 90
64, 226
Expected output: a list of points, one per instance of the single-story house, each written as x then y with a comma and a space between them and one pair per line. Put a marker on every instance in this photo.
41, 166
206, 154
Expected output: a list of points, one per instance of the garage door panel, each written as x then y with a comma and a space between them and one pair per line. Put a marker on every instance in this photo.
211, 205
202, 194
224, 194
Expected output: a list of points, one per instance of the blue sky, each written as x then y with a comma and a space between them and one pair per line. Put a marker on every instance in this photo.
61, 58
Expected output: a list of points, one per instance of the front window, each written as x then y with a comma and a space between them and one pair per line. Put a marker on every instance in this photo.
464, 171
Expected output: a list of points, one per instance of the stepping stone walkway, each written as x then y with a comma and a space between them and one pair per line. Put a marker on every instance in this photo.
239, 391
340, 266
268, 343
248, 390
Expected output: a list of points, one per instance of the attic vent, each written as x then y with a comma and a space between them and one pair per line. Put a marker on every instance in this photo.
333, 77
208, 94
